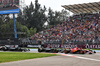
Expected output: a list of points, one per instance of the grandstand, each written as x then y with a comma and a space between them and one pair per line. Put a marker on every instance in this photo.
81, 28
83, 8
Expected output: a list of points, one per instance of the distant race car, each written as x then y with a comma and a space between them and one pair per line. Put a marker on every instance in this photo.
13, 48
48, 49
77, 50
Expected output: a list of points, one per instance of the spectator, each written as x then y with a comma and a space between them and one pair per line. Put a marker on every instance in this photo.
78, 28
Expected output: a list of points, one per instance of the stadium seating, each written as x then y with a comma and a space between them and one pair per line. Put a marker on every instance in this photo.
77, 29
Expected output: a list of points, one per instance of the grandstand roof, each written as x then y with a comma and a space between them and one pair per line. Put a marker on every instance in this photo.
83, 8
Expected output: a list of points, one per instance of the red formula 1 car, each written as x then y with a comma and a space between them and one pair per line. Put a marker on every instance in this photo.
77, 50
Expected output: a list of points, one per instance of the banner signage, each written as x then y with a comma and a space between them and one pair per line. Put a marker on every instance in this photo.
72, 46
9, 6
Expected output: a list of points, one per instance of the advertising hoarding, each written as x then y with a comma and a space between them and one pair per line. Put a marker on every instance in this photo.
9, 6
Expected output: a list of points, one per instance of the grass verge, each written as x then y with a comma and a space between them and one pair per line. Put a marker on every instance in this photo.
92, 49
16, 56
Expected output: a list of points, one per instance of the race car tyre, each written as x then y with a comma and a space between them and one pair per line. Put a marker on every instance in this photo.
28, 49
82, 52
4, 48
90, 52
25, 50
56, 51
94, 51
65, 51
39, 49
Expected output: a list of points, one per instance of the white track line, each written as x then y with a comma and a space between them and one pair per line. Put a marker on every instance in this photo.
78, 57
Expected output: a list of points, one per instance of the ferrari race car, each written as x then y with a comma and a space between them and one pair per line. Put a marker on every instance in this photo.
77, 50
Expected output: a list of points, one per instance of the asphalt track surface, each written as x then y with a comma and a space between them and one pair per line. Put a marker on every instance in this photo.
61, 60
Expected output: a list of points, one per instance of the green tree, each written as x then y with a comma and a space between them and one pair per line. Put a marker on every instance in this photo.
50, 17
53, 17
32, 31
34, 16
4, 19
56, 17
64, 15
20, 17
7, 30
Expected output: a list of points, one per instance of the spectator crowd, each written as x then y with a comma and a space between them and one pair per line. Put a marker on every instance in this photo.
77, 28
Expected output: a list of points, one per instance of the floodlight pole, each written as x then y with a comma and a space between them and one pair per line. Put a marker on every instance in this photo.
15, 32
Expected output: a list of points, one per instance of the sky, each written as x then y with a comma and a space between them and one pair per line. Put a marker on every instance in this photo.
56, 4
